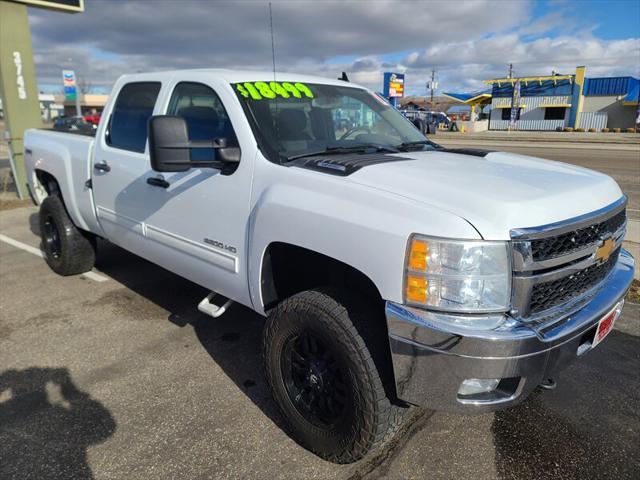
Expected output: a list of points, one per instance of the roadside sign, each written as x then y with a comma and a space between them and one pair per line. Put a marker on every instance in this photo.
71, 88
69, 84
69, 78
69, 93
71, 6
18, 86
393, 85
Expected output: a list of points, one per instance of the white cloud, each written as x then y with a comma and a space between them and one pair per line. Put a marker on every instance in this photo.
463, 65
162, 34
112, 38
546, 23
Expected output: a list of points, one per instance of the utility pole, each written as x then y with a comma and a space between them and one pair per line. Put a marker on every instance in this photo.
432, 85
433, 81
510, 70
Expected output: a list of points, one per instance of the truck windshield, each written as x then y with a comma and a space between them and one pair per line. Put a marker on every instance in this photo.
296, 119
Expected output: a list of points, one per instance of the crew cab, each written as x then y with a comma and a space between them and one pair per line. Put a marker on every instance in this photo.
392, 271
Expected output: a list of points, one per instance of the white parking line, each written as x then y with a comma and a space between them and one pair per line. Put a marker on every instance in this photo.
96, 277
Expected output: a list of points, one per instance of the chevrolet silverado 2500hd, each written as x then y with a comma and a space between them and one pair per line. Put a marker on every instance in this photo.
391, 271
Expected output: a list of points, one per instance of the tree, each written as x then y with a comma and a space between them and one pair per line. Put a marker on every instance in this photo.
84, 86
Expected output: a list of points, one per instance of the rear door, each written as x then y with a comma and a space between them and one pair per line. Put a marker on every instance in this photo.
121, 165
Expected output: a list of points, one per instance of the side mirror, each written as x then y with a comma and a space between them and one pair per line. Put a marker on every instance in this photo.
168, 144
170, 148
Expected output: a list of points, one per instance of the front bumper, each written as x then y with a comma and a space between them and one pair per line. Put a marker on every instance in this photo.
431, 362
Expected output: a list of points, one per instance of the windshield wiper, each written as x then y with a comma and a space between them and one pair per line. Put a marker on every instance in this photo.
416, 143
337, 150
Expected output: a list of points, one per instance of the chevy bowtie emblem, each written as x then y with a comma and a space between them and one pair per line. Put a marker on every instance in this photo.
604, 251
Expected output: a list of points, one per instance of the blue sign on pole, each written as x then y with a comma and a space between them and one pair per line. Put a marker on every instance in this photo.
393, 87
70, 93
69, 83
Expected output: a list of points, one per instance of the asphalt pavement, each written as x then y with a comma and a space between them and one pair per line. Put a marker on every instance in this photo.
117, 375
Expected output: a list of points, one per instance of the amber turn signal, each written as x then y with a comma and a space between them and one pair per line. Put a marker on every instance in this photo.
418, 255
416, 289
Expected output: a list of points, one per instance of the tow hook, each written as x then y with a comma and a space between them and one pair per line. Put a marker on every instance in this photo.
548, 384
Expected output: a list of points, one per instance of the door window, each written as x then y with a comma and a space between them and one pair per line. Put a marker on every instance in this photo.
205, 115
128, 124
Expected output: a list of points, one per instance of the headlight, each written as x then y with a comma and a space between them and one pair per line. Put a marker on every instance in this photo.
457, 275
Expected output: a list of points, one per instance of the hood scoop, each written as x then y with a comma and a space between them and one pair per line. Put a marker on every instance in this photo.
345, 165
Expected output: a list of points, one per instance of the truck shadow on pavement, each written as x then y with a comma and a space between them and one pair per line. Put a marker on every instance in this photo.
233, 341
47, 424
588, 427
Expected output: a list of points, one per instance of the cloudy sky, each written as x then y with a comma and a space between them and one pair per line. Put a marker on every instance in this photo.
464, 41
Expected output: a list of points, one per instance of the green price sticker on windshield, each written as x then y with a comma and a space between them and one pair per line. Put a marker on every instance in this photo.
269, 90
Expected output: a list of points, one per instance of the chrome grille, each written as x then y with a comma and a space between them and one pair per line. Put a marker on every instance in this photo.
556, 246
550, 294
556, 266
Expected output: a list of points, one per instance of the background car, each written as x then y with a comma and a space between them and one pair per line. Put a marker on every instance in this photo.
74, 124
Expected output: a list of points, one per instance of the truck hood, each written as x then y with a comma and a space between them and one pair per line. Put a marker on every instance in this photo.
497, 192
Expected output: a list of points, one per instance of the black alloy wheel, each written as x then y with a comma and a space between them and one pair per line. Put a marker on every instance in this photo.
51, 237
323, 375
316, 381
67, 249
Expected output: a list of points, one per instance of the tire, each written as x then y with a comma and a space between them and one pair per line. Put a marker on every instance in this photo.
67, 249
361, 416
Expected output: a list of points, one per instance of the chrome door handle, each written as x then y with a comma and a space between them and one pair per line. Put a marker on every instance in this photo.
102, 166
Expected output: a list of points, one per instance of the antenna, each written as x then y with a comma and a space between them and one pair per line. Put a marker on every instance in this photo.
273, 58
273, 47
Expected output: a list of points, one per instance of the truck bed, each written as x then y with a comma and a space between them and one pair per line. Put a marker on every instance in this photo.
67, 156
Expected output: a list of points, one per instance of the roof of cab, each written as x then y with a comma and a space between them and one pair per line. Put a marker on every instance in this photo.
235, 76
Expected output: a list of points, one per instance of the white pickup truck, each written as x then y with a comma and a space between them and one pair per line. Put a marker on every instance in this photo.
392, 271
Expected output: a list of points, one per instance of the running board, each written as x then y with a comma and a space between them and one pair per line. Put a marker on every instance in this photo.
548, 384
211, 309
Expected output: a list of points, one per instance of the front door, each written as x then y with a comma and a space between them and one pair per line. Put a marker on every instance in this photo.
196, 221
